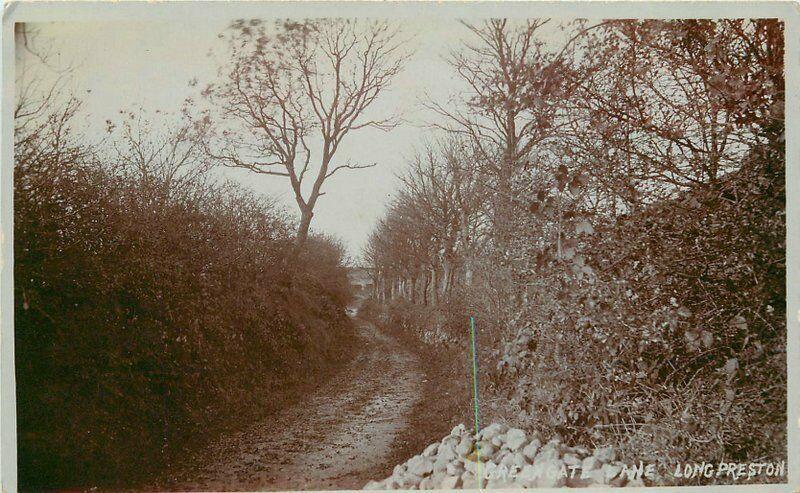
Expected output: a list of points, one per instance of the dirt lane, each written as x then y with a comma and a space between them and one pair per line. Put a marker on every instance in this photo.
339, 437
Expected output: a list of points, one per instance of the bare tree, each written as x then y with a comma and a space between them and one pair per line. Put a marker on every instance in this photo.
293, 91
512, 84
166, 160
448, 203
666, 106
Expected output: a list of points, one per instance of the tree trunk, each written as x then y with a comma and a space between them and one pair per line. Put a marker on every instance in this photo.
446, 271
306, 215
434, 286
425, 288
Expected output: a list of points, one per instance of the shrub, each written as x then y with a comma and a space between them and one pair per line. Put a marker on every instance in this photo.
674, 343
143, 311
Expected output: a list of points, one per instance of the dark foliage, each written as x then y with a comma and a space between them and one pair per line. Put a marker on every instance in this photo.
148, 314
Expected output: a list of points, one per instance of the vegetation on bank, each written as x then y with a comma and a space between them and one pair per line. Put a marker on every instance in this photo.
616, 224
153, 304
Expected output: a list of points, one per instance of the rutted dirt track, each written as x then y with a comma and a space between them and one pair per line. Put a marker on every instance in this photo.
339, 437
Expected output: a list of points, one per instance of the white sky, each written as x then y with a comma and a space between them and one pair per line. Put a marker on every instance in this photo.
126, 65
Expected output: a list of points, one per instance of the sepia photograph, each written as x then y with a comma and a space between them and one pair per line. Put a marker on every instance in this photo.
345, 249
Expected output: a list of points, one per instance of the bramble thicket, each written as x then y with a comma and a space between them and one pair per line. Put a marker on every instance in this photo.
612, 213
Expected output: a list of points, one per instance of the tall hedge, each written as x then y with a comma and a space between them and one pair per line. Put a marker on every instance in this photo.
149, 315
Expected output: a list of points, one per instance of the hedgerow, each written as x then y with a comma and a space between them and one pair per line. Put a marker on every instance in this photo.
151, 311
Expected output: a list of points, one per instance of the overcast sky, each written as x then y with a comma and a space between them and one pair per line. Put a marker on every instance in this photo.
126, 65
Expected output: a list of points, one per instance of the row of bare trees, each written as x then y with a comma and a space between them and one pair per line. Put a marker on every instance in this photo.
547, 136
428, 240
